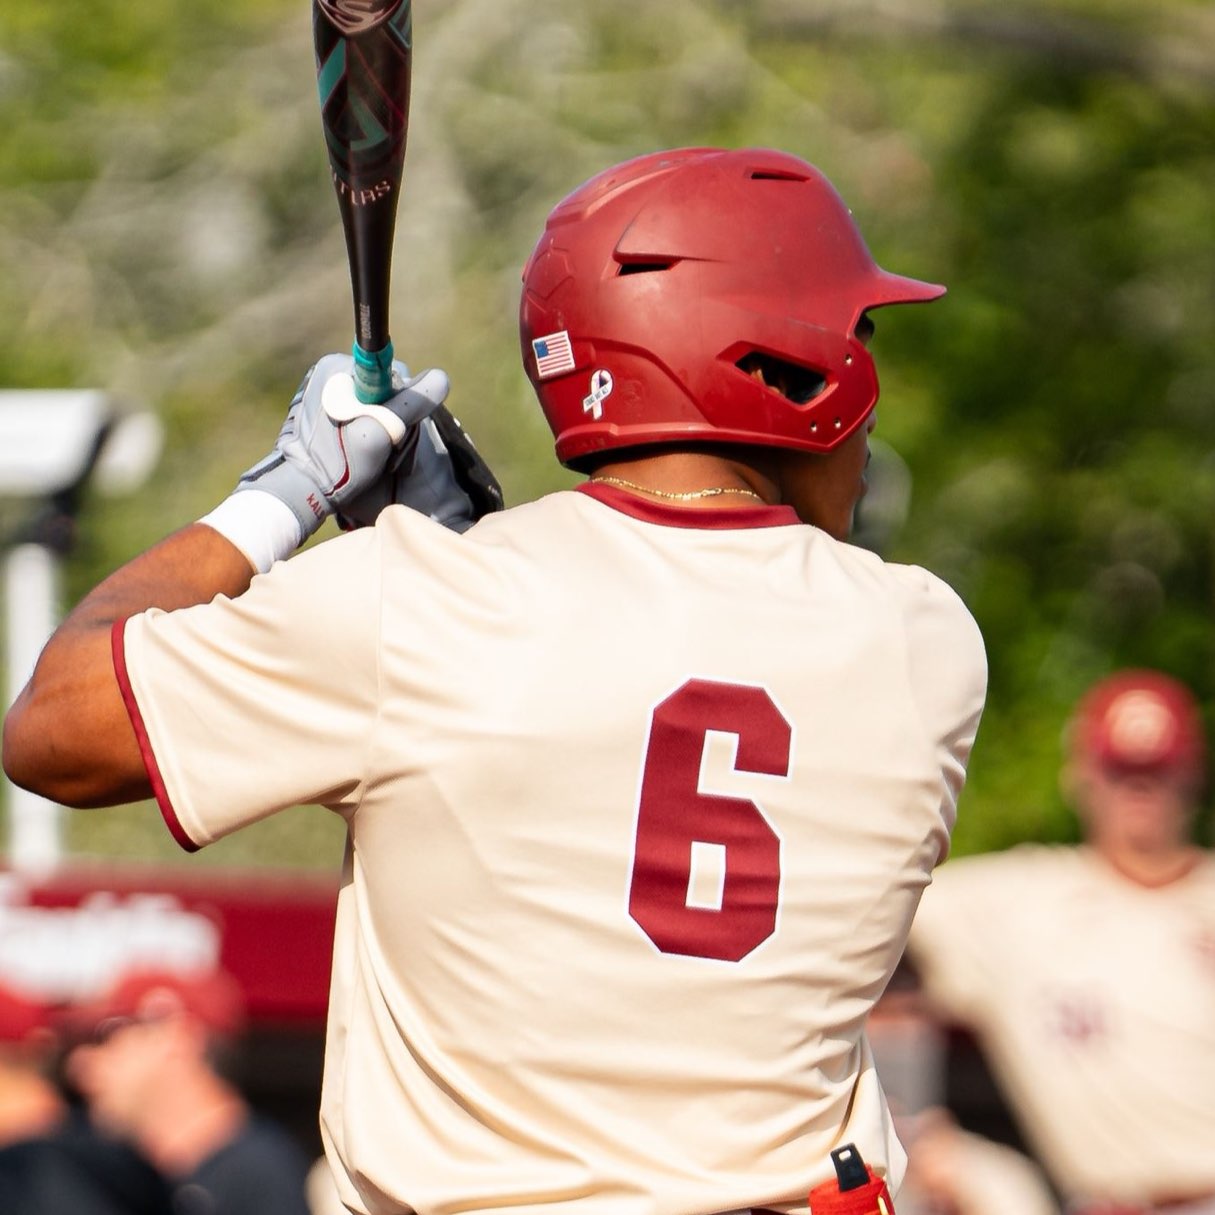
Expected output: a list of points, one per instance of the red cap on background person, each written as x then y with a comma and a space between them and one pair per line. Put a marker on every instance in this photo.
211, 997
20, 1018
1140, 721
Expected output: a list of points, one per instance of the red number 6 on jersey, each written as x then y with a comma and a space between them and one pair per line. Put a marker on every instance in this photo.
674, 815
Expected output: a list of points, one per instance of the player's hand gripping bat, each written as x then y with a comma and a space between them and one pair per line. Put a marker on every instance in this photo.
364, 57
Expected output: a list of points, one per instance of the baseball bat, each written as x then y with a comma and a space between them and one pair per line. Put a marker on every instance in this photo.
364, 60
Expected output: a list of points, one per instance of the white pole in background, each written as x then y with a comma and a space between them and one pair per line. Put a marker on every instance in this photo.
31, 591
51, 442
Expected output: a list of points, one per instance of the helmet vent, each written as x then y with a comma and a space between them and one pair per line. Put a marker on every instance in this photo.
795, 383
778, 175
647, 267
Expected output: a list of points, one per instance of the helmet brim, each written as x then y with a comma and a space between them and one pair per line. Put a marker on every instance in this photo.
896, 289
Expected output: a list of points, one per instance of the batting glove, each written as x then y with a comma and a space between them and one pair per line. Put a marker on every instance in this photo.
440, 474
333, 449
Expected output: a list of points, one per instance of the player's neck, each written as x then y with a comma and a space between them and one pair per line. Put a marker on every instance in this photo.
1150, 868
694, 480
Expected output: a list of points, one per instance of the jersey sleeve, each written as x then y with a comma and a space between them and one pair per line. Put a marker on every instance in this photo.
249, 706
951, 944
947, 668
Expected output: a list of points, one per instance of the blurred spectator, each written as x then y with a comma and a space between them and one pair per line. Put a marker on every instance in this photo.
949, 1171
51, 1161
152, 1074
1088, 973
953, 1172
31, 1103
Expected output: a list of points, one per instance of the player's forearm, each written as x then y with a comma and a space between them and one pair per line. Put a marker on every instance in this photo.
68, 735
189, 567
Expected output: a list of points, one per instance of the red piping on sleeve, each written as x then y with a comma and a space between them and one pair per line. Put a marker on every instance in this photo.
117, 634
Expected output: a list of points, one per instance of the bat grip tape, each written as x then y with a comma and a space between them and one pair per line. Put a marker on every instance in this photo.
373, 374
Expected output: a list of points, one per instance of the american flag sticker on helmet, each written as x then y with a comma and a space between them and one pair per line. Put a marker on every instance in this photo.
554, 354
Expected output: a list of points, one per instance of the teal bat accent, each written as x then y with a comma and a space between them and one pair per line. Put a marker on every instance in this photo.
331, 73
374, 132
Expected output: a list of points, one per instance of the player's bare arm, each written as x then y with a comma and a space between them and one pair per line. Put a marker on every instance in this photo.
68, 736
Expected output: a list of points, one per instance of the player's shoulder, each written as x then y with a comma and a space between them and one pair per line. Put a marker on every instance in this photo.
920, 590
493, 562
947, 657
1199, 886
974, 893
551, 526
931, 603
534, 513
1031, 865
913, 587
1203, 872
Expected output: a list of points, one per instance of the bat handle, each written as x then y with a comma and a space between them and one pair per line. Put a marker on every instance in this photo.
373, 374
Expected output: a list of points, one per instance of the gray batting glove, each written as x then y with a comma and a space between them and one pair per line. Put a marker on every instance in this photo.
440, 474
333, 448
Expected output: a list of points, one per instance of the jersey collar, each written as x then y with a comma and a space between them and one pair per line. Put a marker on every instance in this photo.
669, 515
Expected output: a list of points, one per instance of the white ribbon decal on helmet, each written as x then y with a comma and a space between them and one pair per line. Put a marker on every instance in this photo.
601, 389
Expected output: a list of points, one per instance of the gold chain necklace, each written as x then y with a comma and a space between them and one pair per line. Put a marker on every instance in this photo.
713, 492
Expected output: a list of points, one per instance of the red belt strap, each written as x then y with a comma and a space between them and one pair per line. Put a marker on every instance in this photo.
856, 1190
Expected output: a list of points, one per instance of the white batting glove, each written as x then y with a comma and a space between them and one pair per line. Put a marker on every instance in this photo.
333, 448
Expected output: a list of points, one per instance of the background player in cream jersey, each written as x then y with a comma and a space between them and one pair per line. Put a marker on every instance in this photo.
1089, 973
643, 780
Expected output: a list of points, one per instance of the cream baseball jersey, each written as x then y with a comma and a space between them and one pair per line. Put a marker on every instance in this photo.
1095, 998
640, 802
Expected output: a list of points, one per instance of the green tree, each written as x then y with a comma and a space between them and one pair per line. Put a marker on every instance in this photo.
169, 234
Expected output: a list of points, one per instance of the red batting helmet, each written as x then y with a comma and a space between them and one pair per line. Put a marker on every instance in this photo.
1140, 721
654, 280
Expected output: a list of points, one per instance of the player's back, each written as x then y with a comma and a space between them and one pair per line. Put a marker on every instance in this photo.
655, 805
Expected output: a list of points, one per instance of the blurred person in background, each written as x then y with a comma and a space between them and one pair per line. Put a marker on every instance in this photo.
52, 1161
150, 1066
1087, 973
949, 1171
954, 1172
31, 1102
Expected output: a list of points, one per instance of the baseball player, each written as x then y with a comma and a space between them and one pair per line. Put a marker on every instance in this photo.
1088, 972
643, 780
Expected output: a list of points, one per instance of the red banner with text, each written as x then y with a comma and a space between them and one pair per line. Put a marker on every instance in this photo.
67, 936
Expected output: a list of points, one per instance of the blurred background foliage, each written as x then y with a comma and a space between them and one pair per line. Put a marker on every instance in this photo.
167, 233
